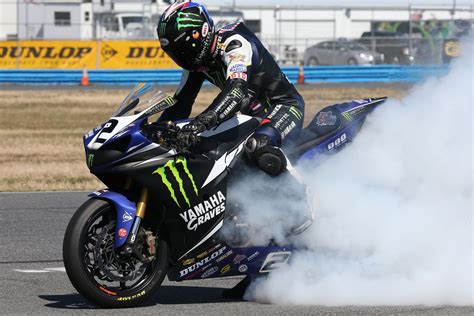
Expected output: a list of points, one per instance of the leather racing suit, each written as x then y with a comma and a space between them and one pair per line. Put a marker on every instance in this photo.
251, 82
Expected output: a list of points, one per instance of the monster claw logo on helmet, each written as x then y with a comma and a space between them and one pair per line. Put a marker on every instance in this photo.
186, 33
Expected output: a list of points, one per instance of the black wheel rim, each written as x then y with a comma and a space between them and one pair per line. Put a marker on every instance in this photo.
108, 271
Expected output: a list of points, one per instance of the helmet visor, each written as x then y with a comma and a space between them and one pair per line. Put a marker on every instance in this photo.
181, 58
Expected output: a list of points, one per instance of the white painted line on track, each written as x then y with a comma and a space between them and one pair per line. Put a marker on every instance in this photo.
30, 271
45, 270
62, 269
40, 192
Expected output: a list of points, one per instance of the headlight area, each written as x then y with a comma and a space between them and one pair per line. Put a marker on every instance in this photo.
367, 57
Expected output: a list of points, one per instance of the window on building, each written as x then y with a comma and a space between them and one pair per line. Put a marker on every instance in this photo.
87, 16
62, 18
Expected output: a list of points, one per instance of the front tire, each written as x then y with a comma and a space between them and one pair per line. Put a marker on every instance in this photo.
352, 62
97, 272
313, 61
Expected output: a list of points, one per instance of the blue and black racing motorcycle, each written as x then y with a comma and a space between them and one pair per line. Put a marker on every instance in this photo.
164, 206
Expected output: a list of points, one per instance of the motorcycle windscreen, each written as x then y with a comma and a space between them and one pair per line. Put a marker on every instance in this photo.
142, 97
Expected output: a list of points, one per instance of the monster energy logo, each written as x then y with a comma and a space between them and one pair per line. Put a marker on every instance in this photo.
162, 29
236, 93
347, 116
90, 160
171, 165
296, 113
187, 20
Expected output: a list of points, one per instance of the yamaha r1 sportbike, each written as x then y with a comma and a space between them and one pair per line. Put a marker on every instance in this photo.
165, 205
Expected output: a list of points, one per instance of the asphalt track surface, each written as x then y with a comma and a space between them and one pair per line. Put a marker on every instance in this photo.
33, 281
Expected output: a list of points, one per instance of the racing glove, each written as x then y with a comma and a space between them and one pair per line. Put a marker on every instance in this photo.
187, 136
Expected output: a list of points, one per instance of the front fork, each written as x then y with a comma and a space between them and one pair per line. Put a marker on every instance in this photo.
129, 245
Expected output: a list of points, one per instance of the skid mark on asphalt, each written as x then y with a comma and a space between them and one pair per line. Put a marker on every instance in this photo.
45, 270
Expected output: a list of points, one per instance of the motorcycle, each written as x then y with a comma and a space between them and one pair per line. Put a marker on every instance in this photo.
164, 205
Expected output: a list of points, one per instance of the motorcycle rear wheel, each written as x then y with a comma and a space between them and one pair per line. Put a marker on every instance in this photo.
97, 272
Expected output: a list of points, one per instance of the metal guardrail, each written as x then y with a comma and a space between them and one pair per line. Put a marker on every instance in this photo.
336, 74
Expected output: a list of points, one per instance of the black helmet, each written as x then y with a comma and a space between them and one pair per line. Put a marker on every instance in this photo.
186, 33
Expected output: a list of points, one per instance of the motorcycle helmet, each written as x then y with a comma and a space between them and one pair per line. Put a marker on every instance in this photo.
186, 34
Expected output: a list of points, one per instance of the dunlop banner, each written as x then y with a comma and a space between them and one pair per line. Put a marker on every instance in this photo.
133, 54
79, 54
48, 54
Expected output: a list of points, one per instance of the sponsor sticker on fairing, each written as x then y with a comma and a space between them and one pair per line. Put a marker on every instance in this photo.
122, 232
253, 256
243, 268
225, 269
126, 217
326, 119
209, 272
238, 259
201, 263
187, 262
224, 256
205, 211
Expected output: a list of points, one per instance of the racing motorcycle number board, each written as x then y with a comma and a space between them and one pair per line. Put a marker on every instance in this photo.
108, 129
275, 260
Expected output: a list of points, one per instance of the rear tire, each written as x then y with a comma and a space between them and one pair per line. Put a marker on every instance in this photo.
88, 253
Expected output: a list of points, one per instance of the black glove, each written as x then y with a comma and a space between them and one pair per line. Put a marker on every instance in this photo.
187, 136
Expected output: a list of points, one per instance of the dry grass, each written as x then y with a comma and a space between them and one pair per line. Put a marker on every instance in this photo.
41, 130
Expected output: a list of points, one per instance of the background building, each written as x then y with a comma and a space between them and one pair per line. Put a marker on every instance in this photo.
287, 30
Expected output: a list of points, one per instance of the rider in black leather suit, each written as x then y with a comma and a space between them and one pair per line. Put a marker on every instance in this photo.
233, 59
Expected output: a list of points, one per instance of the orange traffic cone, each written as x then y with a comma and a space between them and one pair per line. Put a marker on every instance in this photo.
85, 77
301, 75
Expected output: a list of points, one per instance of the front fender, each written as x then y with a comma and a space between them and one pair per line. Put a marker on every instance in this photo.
126, 213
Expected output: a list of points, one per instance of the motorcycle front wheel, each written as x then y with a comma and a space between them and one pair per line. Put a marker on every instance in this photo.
101, 275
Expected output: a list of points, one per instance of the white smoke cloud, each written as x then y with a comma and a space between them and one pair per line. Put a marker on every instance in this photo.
394, 209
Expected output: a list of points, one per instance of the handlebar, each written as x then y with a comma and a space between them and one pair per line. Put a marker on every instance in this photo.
166, 134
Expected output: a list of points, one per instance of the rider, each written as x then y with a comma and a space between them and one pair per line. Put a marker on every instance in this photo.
233, 59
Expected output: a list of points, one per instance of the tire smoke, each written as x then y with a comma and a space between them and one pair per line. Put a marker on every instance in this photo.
394, 209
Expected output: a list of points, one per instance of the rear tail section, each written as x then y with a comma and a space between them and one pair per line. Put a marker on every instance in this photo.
333, 127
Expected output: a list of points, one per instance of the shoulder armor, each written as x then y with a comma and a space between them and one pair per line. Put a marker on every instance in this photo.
234, 44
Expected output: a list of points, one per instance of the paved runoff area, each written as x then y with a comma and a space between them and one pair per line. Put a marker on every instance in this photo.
33, 280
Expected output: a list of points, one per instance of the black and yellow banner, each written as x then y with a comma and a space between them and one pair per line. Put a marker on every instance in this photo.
133, 54
80, 54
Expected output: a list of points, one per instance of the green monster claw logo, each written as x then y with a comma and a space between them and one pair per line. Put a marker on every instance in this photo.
162, 29
347, 116
296, 113
90, 160
188, 20
171, 165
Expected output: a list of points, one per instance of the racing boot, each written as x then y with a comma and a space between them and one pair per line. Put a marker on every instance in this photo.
238, 291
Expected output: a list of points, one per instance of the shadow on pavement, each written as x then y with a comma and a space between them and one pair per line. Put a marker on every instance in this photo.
67, 301
167, 294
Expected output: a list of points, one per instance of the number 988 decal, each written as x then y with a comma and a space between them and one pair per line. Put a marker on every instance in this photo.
338, 142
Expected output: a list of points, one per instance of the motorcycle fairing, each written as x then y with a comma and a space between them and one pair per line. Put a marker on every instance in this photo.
125, 209
221, 260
